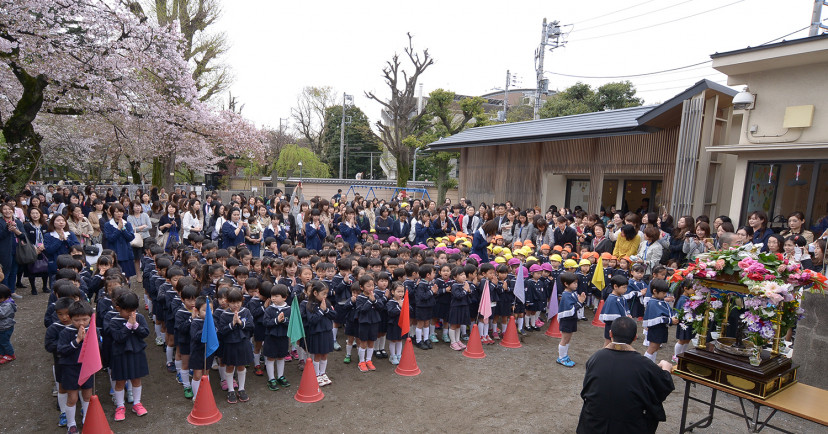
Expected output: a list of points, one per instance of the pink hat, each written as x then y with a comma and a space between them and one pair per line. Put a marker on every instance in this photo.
525, 271
514, 261
534, 268
338, 236
364, 232
475, 256
494, 263
547, 267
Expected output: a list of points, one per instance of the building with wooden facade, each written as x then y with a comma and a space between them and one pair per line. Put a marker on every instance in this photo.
650, 156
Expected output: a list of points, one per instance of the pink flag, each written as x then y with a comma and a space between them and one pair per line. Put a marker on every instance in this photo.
552, 308
485, 302
90, 354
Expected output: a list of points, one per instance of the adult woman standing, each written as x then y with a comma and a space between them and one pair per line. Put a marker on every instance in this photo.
819, 261
10, 230
315, 231
233, 230
758, 221
146, 203
262, 215
600, 243
36, 227
170, 224
521, 231
141, 225
795, 222
650, 251
627, 243
540, 232
384, 225
193, 221
696, 244
288, 220
79, 225
684, 226
119, 234
482, 238
57, 242
217, 221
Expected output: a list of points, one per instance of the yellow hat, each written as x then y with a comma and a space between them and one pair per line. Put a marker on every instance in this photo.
527, 251
570, 263
531, 258
520, 252
404, 204
505, 250
497, 250
555, 258
500, 260
508, 256
441, 245
584, 262
373, 231
467, 244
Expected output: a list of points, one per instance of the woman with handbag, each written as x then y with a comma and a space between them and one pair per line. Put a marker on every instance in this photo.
141, 224
57, 242
119, 234
10, 230
35, 228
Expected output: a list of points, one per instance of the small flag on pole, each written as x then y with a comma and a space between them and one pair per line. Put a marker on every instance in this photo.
485, 309
208, 334
520, 289
598, 276
296, 330
552, 307
90, 354
405, 320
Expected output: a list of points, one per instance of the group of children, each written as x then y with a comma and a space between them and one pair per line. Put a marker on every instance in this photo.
360, 291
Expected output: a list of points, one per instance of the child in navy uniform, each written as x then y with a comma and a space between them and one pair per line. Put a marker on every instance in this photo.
51, 342
319, 329
200, 364
684, 332
657, 317
128, 360
275, 347
425, 293
68, 349
535, 291
341, 292
235, 325
443, 300
183, 320
567, 311
368, 308
615, 306
395, 333
459, 309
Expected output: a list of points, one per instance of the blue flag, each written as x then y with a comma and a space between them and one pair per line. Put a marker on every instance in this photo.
208, 334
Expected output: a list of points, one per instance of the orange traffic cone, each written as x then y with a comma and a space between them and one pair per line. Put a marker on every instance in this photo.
204, 411
309, 386
597, 320
475, 348
408, 363
510, 338
554, 330
95, 418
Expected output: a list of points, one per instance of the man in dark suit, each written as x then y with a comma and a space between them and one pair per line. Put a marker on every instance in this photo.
564, 234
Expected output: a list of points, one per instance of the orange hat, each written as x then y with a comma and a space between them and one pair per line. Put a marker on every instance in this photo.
498, 237
613, 257
606, 256
593, 254
557, 249
575, 256
568, 249
545, 246
529, 243
518, 243
451, 238
462, 235
627, 258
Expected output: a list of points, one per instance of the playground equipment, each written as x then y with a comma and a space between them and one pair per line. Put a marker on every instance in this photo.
373, 189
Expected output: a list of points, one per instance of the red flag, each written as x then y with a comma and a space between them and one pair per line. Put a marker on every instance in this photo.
485, 302
90, 354
405, 322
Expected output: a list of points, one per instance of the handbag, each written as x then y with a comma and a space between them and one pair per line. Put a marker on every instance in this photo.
91, 250
39, 266
137, 242
26, 253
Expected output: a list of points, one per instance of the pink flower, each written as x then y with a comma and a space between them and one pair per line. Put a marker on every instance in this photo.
720, 263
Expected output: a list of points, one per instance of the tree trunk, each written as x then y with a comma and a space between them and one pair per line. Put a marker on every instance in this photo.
403, 171
22, 154
157, 172
135, 170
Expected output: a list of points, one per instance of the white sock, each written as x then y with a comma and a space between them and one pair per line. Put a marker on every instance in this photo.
70, 415
85, 408
316, 368
399, 348
431, 330
369, 352
146, 300
382, 343
446, 331
196, 383
678, 349
185, 377
62, 397
419, 334
280, 368
269, 368
229, 377
136, 394
158, 332
651, 356
170, 354
178, 365
361, 354
481, 328
119, 398
580, 313
411, 331
563, 351
302, 354
323, 367
256, 357
520, 323
463, 329
242, 376
222, 373
392, 349
334, 330
503, 327
348, 349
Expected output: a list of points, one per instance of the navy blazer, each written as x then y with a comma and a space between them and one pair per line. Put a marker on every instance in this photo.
314, 237
229, 237
118, 239
479, 245
349, 234
401, 233
8, 244
383, 227
55, 247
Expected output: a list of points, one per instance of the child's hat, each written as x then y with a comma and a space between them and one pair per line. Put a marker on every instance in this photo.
404, 204
461, 235
534, 268
373, 231
531, 258
627, 258
508, 256
529, 243
443, 245
570, 263
500, 260
518, 244
556, 258
584, 262
606, 256
514, 261
547, 267
364, 231
475, 256
498, 237
497, 250
527, 250
557, 249
613, 257
505, 250
451, 238
545, 247
431, 239
520, 252
467, 244
489, 248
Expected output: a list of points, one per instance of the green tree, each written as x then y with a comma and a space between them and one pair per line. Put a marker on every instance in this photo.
358, 134
288, 163
581, 98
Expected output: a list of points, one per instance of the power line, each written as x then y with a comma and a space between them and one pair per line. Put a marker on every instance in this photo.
674, 87
789, 34
656, 25
614, 12
631, 75
632, 17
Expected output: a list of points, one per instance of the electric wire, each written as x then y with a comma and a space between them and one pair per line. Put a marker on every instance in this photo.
630, 18
613, 12
632, 75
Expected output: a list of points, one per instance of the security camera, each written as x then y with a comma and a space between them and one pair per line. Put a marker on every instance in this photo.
744, 100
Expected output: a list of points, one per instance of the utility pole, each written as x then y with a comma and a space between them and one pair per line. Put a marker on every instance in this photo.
506, 95
816, 18
550, 37
345, 99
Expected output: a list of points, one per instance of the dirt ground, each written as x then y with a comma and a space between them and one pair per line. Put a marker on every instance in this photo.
521, 390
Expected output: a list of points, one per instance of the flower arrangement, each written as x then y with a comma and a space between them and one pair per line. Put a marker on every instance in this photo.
773, 289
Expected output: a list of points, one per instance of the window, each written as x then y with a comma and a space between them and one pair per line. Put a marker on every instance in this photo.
577, 194
780, 189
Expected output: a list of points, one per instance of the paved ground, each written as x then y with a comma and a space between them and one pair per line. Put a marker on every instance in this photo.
512, 389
